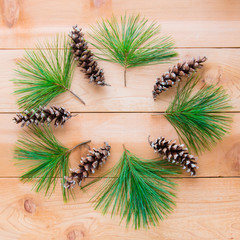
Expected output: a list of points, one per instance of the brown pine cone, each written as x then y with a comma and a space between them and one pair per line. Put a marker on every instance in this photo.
94, 159
85, 58
175, 153
43, 115
175, 74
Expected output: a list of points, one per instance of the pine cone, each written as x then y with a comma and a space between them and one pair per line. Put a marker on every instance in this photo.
175, 74
175, 153
95, 158
85, 57
59, 114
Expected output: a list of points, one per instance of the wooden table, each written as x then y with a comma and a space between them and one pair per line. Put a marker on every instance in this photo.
208, 206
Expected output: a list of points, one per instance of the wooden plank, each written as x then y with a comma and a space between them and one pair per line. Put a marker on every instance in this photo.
25, 22
222, 68
195, 34
206, 209
123, 128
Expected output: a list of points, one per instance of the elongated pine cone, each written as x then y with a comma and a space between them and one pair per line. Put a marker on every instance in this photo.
85, 58
43, 115
175, 74
89, 164
175, 153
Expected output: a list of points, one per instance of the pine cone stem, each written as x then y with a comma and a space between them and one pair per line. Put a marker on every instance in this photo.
149, 141
74, 94
80, 144
75, 115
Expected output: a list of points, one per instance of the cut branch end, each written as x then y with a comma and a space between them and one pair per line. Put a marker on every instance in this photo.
74, 94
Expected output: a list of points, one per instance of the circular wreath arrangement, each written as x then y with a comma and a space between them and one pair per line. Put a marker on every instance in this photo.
139, 190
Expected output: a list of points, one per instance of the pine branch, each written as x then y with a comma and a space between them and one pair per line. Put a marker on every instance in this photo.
138, 190
45, 159
44, 73
132, 42
199, 118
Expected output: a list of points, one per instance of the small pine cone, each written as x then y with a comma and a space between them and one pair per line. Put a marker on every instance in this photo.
94, 159
85, 58
43, 115
175, 153
175, 74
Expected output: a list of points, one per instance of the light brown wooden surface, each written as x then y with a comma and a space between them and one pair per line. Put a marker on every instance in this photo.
208, 206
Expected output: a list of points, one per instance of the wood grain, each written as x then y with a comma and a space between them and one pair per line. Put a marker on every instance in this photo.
131, 129
222, 68
192, 24
206, 209
10, 12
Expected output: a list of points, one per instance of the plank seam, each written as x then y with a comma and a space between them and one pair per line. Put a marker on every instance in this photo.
113, 112
222, 47
202, 177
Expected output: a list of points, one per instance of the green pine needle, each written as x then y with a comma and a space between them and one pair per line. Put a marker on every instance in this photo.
138, 190
200, 118
132, 42
44, 73
47, 159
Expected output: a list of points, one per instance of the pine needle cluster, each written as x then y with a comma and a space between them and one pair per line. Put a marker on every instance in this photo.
44, 159
138, 190
200, 118
132, 42
44, 73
